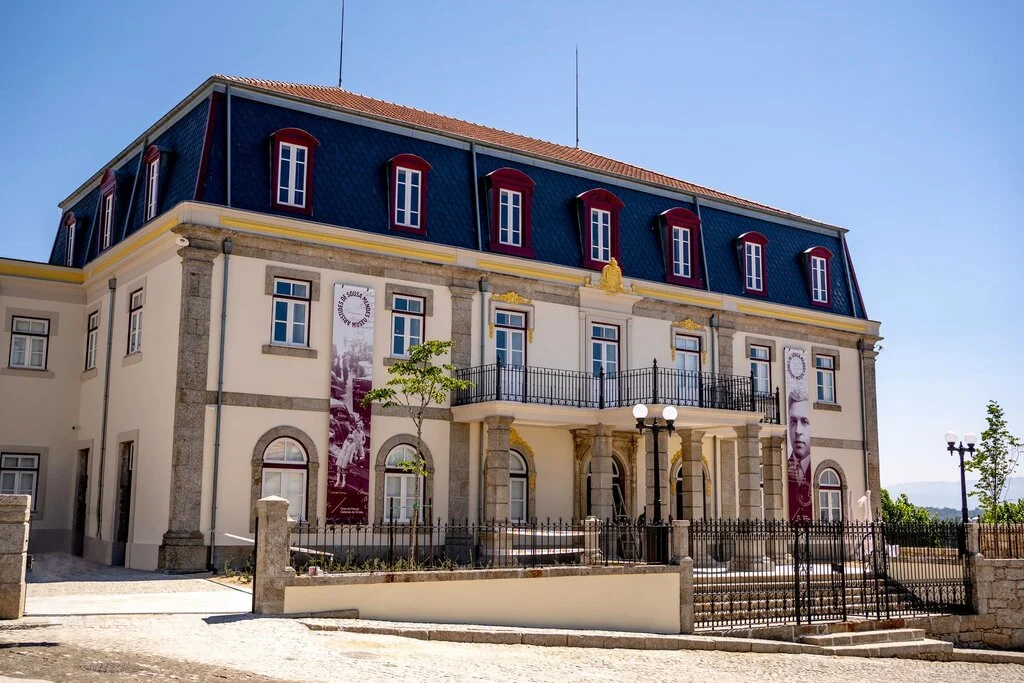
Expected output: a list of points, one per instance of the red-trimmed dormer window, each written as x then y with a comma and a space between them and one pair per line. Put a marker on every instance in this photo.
600, 214
152, 163
819, 271
107, 190
408, 192
69, 239
292, 178
511, 212
752, 248
681, 229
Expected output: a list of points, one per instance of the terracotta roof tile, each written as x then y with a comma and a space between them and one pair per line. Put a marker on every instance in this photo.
360, 104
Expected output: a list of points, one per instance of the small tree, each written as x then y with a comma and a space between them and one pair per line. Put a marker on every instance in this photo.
902, 510
416, 384
994, 462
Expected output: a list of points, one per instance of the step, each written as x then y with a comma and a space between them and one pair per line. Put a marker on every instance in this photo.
892, 635
908, 649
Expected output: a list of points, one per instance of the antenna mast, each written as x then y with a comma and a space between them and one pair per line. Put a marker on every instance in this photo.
341, 49
577, 97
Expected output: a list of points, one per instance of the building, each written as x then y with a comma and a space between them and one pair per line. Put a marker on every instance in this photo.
223, 291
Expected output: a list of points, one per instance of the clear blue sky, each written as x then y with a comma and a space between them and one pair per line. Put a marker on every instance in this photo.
900, 121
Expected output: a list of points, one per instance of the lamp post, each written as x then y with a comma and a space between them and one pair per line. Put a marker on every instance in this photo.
969, 439
668, 414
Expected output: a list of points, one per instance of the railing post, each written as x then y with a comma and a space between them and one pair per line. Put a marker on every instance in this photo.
654, 382
753, 392
600, 387
778, 408
497, 379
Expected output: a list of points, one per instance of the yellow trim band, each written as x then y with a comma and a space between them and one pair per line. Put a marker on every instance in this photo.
125, 249
796, 317
534, 272
684, 298
41, 271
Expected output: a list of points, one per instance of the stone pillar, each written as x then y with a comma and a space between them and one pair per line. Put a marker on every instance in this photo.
728, 487
749, 467
771, 448
663, 462
867, 364
592, 541
693, 470
601, 502
679, 547
686, 615
496, 494
14, 517
462, 357
183, 547
726, 333
273, 568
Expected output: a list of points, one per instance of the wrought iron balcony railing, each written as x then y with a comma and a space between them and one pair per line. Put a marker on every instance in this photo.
625, 388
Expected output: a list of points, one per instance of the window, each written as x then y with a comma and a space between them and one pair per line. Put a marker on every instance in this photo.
284, 474
618, 491
518, 484
511, 208
601, 225
510, 338
752, 257
830, 496
681, 252
403, 490
107, 220
761, 369
69, 240
686, 351
29, 340
152, 159
826, 371
819, 262
135, 303
408, 191
291, 312
406, 324
681, 237
604, 348
292, 174
91, 337
19, 475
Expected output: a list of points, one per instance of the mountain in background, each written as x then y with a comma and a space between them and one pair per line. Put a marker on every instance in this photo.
946, 494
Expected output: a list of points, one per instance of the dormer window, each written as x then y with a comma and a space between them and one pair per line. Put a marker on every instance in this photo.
69, 240
511, 202
152, 162
107, 190
819, 270
408, 192
600, 214
752, 252
292, 178
681, 230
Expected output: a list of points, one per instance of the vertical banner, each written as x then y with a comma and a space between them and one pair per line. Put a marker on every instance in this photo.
348, 438
798, 412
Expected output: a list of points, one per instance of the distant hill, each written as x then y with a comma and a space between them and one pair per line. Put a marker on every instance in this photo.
946, 494
953, 513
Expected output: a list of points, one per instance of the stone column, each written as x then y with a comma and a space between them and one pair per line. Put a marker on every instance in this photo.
726, 333
867, 364
592, 541
183, 547
496, 494
771, 448
693, 470
462, 357
14, 517
679, 547
273, 569
601, 503
663, 461
728, 487
749, 467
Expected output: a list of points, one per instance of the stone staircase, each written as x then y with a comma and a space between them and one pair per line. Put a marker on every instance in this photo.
771, 600
898, 642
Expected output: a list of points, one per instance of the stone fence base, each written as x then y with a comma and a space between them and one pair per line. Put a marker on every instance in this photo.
14, 518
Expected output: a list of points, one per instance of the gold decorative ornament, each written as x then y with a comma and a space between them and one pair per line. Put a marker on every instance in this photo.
611, 278
529, 334
512, 298
490, 330
533, 481
688, 324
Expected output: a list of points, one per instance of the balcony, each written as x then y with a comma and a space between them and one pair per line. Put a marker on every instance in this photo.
623, 389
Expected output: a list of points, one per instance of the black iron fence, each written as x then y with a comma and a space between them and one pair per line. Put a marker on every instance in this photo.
1001, 541
625, 388
394, 546
759, 572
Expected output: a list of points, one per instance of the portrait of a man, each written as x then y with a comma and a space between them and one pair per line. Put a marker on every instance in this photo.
799, 411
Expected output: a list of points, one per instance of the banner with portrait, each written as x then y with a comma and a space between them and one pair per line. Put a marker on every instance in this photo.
798, 434
348, 437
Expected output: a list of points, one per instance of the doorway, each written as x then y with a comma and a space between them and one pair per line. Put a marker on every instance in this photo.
81, 503
123, 511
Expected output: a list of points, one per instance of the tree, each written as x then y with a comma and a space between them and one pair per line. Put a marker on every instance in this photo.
994, 462
416, 384
902, 510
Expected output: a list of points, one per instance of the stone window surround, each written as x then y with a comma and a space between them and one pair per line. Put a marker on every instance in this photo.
379, 467
311, 276
89, 311
9, 315
390, 290
527, 309
701, 335
844, 495
761, 341
834, 353
589, 318
134, 286
312, 469
520, 446
44, 455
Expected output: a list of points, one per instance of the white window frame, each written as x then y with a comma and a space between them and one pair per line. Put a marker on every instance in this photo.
69, 257
152, 187
91, 338
136, 301
407, 484
604, 343
293, 302
295, 168
405, 189
819, 279
408, 318
600, 235
830, 498
753, 258
510, 220
30, 332
518, 479
509, 325
288, 469
825, 376
761, 368
682, 251
108, 220
13, 468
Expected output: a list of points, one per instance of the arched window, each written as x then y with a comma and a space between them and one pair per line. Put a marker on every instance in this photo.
679, 492
830, 496
403, 490
618, 495
285, 467
518, 487
705, 497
